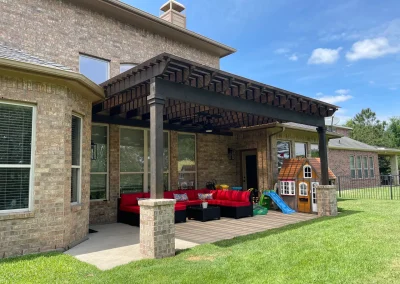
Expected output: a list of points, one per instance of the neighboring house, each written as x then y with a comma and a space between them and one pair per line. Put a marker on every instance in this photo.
298, 180
69, 147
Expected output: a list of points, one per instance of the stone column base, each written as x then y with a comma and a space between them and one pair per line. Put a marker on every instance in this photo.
327, 200
157, 228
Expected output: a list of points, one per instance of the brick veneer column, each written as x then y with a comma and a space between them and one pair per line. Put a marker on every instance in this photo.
327, 200
157, 228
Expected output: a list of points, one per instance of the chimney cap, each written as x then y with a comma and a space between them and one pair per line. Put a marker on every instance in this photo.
174, 5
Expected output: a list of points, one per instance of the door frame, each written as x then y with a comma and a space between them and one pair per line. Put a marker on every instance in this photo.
308, 208
244, 154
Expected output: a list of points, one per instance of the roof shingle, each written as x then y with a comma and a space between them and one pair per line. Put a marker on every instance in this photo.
291, 167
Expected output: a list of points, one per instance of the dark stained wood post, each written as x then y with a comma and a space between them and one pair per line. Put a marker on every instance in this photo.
323, 154
156, 102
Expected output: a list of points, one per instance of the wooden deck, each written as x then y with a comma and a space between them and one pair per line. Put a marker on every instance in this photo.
227, 228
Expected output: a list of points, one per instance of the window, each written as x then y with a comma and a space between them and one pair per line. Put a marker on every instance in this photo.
283, 149
123, 67
99, 166
307, 172
17, 133
303, 189
314, 151
352, 167
135, 160
314, 192
76, 143
371, 167
365, 166
359, 167
300, 150
97, 70
187, 161
287, 188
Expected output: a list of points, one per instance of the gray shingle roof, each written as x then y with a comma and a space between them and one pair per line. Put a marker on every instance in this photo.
21, 56
348, 143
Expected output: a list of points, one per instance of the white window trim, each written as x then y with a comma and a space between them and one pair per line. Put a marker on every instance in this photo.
304, 171
79, 193
31, 166
108, 164
291, 188
314, 184
98, 59
195, 157
146, 171
300, 184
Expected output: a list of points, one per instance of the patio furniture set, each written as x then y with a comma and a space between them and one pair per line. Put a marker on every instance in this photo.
221, 203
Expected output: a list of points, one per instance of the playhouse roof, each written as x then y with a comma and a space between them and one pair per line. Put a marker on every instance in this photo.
291, 167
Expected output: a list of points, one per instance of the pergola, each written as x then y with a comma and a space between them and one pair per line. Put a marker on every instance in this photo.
169, 92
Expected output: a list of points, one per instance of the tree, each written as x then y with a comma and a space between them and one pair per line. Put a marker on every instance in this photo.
394, 131
370, 130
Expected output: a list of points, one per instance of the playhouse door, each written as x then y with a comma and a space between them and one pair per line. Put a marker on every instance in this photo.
303, 193
314, 196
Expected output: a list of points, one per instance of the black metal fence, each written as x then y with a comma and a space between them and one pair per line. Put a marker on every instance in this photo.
379, 187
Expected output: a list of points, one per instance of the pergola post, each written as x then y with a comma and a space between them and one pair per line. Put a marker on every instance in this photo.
156, 102
323, 154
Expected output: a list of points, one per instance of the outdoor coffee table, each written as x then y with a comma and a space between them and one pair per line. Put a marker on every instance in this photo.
203, 214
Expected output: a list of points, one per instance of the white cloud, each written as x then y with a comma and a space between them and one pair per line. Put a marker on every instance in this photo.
342, 96
324, 56
342, 91
293, 57
282, 50
371, 48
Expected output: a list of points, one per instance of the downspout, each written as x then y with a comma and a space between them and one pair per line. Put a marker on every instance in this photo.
270, 147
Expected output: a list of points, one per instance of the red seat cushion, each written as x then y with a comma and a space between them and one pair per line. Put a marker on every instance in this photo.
168, 195
229, 203
133, 209
214, 202
180, 207
130, 198
146, 195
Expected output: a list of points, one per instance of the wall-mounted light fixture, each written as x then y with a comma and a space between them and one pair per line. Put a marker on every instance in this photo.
231, 154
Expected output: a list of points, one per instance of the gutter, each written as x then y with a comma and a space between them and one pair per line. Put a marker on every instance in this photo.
73, 80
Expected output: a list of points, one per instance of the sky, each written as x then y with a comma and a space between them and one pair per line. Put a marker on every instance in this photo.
343, 52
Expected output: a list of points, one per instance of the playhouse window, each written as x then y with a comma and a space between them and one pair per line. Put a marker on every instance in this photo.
287, 188
307, 172
303, 189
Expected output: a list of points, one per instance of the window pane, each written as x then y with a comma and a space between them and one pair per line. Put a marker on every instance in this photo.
131, 183
371, 167
75, 184
186, 180
186, 153
14, 188
132, 150
283, 149
314, 151
15, 134
76, 140
99, 138
125, 67
165, 154
98, 186
359, 168
300, 149
95, 69
165, 180
365, 166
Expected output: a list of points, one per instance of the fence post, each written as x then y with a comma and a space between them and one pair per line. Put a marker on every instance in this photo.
391, 187
340, 195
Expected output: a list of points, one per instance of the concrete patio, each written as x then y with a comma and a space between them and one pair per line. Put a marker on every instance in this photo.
117, 244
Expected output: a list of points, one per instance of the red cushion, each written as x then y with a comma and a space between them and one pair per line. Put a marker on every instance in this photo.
245, 196
146, 195
130, 198
214, 202
133, 209
180, 207
225, 195
229, 203
168, 195
192, 202
237, 195
191, 193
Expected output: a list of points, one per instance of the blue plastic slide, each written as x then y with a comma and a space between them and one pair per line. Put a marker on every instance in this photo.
278, 201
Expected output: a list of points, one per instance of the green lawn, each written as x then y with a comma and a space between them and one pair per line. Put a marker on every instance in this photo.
362, 245
380, 192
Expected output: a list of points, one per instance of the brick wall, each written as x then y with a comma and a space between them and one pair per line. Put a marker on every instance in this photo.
53, 223
58, 31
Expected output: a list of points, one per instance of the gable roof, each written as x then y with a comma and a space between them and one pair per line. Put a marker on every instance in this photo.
347, 143
291, 167
7, 52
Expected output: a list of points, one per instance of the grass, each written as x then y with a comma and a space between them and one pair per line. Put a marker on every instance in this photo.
379, 192
362, 245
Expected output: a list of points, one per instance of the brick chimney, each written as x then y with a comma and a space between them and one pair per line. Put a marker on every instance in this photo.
172, 12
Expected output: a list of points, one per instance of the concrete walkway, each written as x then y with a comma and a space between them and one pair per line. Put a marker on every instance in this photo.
117, 244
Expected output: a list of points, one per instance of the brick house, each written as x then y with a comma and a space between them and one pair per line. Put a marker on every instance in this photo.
69, 146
